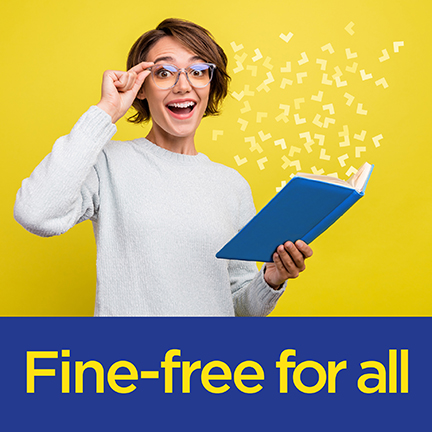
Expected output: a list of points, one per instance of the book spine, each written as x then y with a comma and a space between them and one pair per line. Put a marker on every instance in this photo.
332, 217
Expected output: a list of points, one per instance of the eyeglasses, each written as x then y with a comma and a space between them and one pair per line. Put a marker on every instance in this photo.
166, 76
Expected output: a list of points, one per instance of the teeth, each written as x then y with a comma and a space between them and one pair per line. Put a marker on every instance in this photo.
182, 105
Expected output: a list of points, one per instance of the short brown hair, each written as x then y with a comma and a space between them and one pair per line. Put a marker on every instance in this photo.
197, 39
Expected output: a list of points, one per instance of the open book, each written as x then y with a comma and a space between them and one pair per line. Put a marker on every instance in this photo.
302, 210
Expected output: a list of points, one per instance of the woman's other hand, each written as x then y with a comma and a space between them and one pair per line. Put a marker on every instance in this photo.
119, 89
289, 261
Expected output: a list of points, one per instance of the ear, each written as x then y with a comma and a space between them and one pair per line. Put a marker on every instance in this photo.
141, 93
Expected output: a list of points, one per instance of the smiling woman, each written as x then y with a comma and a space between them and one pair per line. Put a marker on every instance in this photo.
176, 104
160, 210
200, 43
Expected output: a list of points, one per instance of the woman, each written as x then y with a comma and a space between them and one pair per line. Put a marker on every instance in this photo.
160, 209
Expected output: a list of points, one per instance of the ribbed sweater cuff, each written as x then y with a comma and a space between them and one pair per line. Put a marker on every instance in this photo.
281, 289
270, 290
95, 125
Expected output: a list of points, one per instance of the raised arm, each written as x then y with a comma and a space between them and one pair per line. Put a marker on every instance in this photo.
64, 188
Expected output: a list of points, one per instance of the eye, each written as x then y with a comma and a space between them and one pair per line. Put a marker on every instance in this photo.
196, 73
163, 73
198, 70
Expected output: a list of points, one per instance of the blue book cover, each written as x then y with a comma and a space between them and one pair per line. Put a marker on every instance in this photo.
302, 210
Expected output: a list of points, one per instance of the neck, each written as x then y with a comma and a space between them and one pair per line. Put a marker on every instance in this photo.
182, 145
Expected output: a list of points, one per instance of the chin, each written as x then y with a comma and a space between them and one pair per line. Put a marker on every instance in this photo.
177, 127
181, 132
180, 129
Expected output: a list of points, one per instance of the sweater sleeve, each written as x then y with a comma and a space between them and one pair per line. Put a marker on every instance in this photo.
252, 296
63, 190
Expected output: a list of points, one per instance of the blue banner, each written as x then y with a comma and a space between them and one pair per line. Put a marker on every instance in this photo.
213, 374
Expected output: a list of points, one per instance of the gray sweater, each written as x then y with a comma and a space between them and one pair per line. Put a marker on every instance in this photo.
159, 218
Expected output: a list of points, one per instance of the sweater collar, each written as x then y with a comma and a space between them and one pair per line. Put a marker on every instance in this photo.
171, 156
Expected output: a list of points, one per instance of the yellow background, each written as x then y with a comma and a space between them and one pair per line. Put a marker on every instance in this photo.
375, 261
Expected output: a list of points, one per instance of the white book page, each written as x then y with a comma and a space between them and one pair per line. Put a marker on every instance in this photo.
356, 181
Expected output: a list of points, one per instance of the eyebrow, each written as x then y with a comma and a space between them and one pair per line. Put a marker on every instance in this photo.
171, 59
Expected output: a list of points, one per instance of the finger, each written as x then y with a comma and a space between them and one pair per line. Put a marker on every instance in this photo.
287, 261
296, 255
132, 76
121, 79
141, 77
139, 82
279, 266
122, 82
140, 67
126, 81
111, 77
304, 248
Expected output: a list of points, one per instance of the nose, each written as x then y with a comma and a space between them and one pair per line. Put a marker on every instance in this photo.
183, 85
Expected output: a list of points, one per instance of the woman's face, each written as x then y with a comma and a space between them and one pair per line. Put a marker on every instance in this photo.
169, 51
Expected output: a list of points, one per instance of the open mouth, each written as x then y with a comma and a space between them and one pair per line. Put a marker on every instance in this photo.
184, 108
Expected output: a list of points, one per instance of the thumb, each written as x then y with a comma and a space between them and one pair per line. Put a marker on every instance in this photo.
140, 80
142, 76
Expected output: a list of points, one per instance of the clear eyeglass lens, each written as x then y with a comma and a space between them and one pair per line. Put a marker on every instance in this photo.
199, 75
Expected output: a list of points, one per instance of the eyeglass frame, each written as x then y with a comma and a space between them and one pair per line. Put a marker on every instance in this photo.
179, 71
